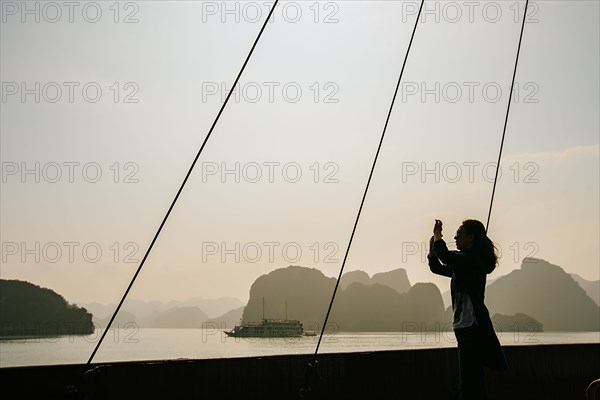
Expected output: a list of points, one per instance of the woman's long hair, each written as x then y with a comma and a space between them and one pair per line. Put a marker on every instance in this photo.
482, 244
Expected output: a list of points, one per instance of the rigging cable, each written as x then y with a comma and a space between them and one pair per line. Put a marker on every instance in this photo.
369, 180
312, 367
506, 117
184, 181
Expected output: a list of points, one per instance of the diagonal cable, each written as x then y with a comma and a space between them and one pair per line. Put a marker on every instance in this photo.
369, 180
506, 117
184, 181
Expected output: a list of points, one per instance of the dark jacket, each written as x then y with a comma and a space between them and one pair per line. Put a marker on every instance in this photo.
468, 271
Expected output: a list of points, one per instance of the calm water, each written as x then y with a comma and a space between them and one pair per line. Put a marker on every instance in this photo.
157, 344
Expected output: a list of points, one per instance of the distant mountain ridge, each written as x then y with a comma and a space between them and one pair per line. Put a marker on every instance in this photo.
357, 307
174, 314
547, 293
30, 310
540, 295
516, 323
227, 320
396, 279
176, 317
142, 309
124, 319
592, 288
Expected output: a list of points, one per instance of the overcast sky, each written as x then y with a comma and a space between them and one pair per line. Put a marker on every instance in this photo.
104, 107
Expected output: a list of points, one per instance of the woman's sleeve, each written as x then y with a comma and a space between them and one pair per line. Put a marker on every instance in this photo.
437, 268
457, 261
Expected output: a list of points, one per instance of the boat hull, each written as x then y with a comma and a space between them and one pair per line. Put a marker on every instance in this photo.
268, 328
535, 372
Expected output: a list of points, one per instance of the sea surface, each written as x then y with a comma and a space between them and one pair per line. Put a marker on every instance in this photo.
132, 343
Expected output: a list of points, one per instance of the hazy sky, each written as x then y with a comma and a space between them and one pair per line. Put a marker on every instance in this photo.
104, 107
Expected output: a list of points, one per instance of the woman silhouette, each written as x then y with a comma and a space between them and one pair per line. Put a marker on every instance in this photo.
478, 345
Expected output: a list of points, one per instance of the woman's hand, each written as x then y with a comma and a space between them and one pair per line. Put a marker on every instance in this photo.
437, 230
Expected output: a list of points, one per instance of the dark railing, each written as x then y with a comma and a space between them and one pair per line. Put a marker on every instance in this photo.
535, 372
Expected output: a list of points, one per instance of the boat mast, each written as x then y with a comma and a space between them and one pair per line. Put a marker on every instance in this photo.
263, 308
286, 310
